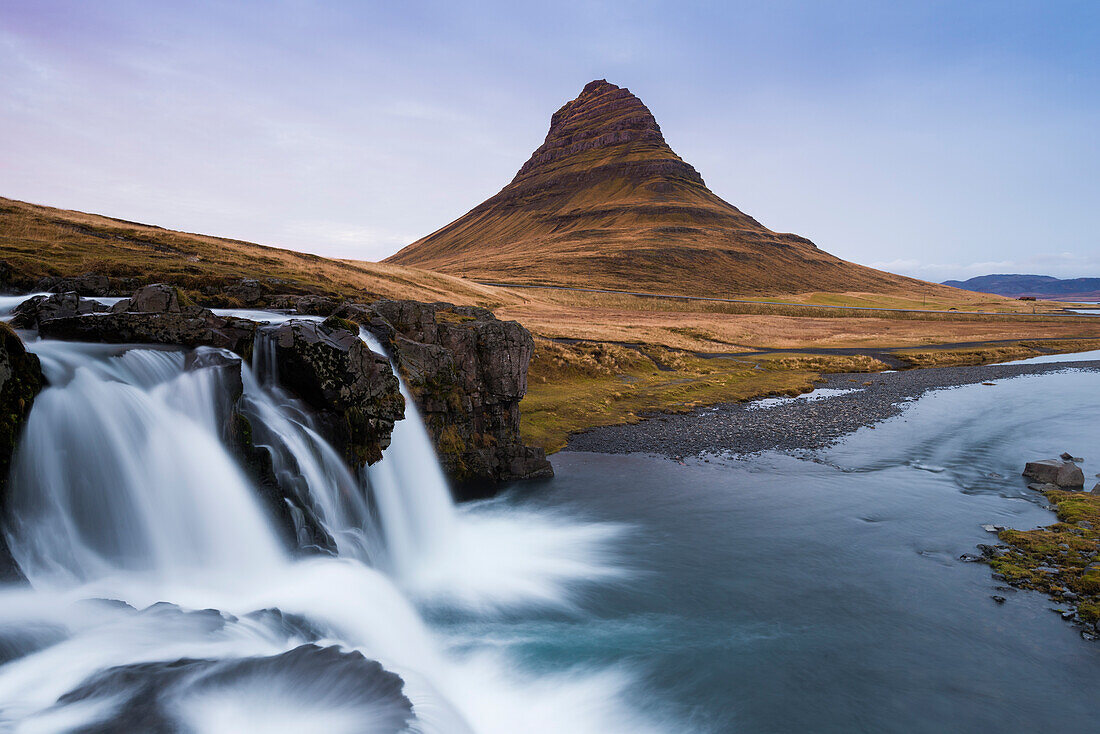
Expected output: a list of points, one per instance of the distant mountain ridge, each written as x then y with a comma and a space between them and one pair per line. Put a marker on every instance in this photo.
1039, 286
605, 202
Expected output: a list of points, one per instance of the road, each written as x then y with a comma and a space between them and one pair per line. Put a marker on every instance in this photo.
768, 303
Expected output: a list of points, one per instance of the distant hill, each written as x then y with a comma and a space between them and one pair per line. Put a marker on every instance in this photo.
1039, 286
40, 241
605, 202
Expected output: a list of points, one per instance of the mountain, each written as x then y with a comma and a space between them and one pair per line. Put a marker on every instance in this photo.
605, 202
1039, 286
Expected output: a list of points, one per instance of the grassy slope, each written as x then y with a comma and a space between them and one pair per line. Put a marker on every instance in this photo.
37, 241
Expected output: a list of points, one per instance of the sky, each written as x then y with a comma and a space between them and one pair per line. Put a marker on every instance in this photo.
939, 139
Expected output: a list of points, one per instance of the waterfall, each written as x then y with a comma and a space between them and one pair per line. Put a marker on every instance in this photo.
414, 502
119, 469
160, 590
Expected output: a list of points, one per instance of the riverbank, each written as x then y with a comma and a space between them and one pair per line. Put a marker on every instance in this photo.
808, 422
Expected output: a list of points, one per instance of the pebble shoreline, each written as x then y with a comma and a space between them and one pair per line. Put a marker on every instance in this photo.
746, 428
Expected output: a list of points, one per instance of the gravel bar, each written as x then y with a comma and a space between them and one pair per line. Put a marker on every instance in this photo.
791, 424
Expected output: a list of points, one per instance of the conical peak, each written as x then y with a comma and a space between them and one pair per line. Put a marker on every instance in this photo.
603, 115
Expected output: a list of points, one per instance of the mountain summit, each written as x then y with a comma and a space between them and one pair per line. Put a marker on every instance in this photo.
605, 202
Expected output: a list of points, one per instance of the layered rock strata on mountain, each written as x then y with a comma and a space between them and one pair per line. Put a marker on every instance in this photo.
467, 371
605, 202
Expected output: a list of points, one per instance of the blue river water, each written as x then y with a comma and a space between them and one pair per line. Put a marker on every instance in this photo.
782, 594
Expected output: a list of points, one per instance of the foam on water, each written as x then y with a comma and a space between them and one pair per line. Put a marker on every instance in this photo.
129, 513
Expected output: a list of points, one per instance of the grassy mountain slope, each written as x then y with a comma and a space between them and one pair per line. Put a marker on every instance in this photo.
605, 202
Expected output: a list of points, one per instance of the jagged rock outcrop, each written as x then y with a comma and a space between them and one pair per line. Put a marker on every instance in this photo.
153, 315
468, 372
353, 390
20, 381
88, 284
28, 314
605, 202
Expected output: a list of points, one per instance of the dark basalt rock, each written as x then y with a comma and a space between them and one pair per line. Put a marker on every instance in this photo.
316, 305
146, 697
353, 390
20, 381
155, 298
153, 315
468, 372
29, 313
88, 284
248, 291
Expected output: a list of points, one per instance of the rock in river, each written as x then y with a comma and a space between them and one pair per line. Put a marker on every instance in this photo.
1060, 473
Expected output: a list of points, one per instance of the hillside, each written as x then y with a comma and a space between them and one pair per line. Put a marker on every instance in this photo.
39, 241
1039, 286
605, 202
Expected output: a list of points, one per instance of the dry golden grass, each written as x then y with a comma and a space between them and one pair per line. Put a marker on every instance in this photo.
696, 327
38, 241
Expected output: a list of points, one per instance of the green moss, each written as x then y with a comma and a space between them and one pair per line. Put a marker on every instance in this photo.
1056, 559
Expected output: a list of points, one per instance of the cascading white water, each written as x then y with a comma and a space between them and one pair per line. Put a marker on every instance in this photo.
123, 490
415, 506
119, 468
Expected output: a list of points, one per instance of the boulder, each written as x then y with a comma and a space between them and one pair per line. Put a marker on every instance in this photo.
247, 291
315, 305
1067, 456
20, 381
156, 298
29, 313
467, 371
354, 391
1063, 474
88, 284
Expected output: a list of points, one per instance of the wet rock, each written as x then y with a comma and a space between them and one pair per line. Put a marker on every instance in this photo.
468, 372
998, 599
969, 558
1052, 471
29, 313
226, 366
153, 315
1067, 456
148, 697
353, 389
20, 381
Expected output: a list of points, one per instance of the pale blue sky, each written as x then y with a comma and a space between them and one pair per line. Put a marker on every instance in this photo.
937, 139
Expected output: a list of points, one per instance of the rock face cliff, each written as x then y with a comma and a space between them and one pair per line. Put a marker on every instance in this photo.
605, 202
467, 371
